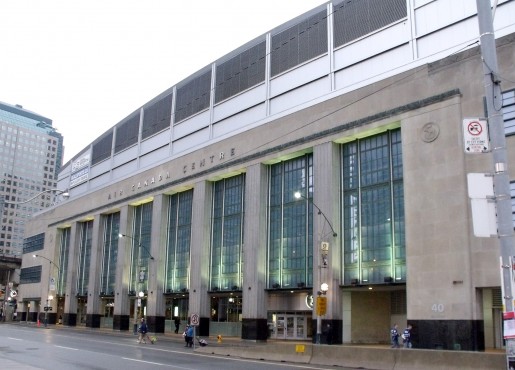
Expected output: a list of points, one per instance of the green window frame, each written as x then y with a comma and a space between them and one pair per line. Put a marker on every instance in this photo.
140, 247
86, 233
109, 254
373, 210
290, 224
179, 242
227, 234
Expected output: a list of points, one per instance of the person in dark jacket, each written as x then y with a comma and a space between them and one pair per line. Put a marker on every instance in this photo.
177, 323
189, 336
143, 332
406, 337
394, 334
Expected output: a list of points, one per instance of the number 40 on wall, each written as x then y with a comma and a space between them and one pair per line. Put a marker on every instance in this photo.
438, 307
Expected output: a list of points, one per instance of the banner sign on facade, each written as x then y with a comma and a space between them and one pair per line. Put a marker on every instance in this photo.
80, 170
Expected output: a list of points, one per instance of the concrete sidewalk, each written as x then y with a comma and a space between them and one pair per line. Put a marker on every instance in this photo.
379, 357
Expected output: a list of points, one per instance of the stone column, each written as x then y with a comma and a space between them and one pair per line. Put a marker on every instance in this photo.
70, 299
326, 174
155, 301
254, 325
93, 311
121, 312
33, 311
199, 302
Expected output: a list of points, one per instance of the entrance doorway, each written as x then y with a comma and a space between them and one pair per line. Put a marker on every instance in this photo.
290, 326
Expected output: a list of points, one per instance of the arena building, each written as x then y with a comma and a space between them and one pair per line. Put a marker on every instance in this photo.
328, 152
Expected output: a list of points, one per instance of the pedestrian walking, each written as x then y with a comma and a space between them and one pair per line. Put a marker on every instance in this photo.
177, 322
143, 332
394, 334
328, 332
406, 337
188, 338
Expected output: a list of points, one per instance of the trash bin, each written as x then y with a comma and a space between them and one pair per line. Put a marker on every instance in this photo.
135, 329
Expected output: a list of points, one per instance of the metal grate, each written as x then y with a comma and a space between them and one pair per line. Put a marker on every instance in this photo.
245, 70
299, 43
398, 302
102, 148
497, 298
157, 117
127, 133
193, 97
356, 18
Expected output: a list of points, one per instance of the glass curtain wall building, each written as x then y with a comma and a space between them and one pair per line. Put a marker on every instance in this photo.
31, 153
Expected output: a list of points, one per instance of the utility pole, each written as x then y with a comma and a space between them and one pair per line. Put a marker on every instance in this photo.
501, 178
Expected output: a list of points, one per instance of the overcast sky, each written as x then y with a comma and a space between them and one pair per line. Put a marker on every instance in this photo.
87, 64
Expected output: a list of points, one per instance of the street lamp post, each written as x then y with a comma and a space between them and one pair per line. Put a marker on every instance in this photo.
321, 302
321, 307
49, 297
63, 193
139, 244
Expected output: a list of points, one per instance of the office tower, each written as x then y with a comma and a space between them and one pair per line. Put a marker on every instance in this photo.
31, 152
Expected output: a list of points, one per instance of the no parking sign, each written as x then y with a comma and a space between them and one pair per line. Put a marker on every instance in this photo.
475, 135
194, 320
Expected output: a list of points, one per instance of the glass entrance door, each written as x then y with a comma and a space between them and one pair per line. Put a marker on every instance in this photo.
289, 327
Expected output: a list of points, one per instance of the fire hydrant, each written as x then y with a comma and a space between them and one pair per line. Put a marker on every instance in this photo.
219, 338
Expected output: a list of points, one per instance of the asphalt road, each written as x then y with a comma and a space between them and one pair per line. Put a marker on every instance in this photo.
28, 347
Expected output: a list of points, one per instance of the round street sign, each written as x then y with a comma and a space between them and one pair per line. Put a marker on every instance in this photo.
14, 293
194, 319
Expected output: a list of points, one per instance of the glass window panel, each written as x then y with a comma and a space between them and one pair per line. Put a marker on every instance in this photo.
179, 240
290, 246
227, 234
508, 111
109, 254
86, 233
140, 247
64, 248
373, 209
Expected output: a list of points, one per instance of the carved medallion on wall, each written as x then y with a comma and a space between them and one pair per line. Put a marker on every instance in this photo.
429, 132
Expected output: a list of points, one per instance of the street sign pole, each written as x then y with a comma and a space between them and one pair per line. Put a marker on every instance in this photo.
493, 93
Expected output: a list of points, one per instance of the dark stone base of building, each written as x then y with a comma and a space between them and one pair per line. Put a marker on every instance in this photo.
331, 331
50, 317
121, 322
202, 329
156, 324
93, 320
33, 316
69, 319
254, 329
460, 335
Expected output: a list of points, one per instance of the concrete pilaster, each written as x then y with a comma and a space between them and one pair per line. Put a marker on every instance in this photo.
121, 299
254, 326
70, 299
155, 301
93, 311
326, 174
199, 302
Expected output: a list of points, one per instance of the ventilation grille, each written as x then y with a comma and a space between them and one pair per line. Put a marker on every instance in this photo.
497, 298
398, 302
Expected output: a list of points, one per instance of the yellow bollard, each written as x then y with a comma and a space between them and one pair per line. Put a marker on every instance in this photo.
219, 338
